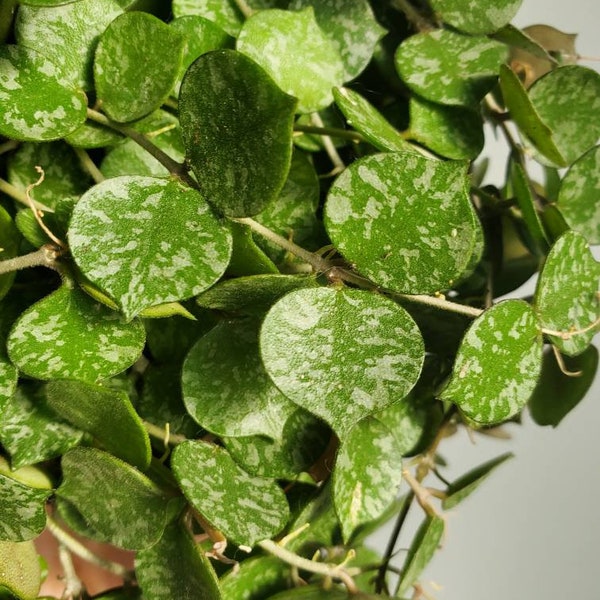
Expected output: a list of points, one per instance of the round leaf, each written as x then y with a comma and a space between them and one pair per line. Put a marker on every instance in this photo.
450, 68
237, 130
341, 354
405, 221
486, 16
567, 296
136, 65
245, 509
272, 38
36, 102
225, 386
147, 241
498, 363
68, 335
20, 571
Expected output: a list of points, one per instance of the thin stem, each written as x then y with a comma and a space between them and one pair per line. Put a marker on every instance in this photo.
419, 22
16, 194
8, 146
89, 165
330, 148
567, 335
442, 304
244, 8
345, 134
422, 494
39, 214
46, 256
169, 439
560, 361
73, 585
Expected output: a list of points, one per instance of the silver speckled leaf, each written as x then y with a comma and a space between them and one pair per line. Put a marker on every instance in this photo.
341, 354
405, 221
367, 474
8, 379
498, 363
567, 294
260, 576
69, 335
147, 241
476, 16
244, 508
224, 13
20, 569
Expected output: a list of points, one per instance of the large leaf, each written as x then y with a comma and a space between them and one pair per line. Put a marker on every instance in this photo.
123, 505
237, 130
9, 247
147, 241
245, 509
8, 379
405, 221
272, 39
341, 354
486, 16
20, 571
498, 363
69, 335
106, 414
36, 102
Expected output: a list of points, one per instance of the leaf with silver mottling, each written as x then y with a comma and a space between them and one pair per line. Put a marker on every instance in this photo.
20, 570
257, 577
479, 17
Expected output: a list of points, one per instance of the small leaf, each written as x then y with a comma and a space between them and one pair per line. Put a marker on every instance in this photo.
68, 335
257, 577
106, 414
246, 257
450, 68
420, 553
405, 221
237, 130
341, 354
464, 486
136, 65
367, 474
176, 567
147, 241
566, 296
225, 386
558, 392
245, 509
36, 103
9, 248
118, 501
486, 17
578, 196
20, 571
498, 363
268, 36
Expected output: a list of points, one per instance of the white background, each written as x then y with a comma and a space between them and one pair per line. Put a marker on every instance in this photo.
532, 530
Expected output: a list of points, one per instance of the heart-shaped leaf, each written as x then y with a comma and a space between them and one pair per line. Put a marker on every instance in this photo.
36, 102
405, 221
498, 363
245, 509
79, 339
486, 17
146, 241
367, 474
136, 65
237, 130
341, 354
567, 298
118, 501
272, 38
20, 571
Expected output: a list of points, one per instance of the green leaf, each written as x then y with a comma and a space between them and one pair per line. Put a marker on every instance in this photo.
351, 27
9, 248
450, 68
237, 129
566, 296
31, 431
257, 577
93, 135
486, 16
20, 571
147, 241
420, 553
558, 392
498, 363
8, 379
68, 335
118, 501
56, 222
405, 221
246, 257
341, 354
272, 38
578, 196
317, 592
176, 567
527, 118
464, 486
136, 65
245, 509
223, 13
567, 100
523, 45
36, 102
225, 386
367, 474
363, 117
454, 132
106, 414
70, 31
22, 509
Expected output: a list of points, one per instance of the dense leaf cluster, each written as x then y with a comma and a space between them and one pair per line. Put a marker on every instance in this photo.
264, 270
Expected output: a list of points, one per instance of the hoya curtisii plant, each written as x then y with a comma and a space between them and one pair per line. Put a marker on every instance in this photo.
250, 280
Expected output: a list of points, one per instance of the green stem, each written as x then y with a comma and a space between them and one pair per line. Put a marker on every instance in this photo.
345, 134
163, 435
73, 585
19, 195
89, 165
244, 8
46, 256
419, 22
10, 144
330, 148
442, 304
